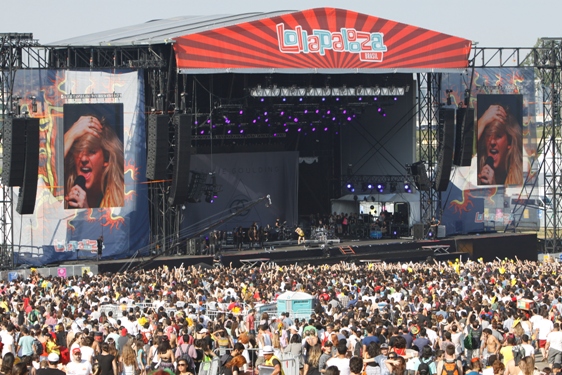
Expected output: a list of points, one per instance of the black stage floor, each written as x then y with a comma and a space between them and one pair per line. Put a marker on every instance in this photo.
487, 246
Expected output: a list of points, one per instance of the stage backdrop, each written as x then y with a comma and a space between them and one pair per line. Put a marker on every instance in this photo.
470, 206
244, 178
53, 233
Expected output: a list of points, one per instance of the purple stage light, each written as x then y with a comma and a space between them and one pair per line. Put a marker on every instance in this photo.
241, 112
325, 129
313, 129
287, 130
262, 100
299, 129
360, 98
334, 118
317, 111
328, 112
348, 118
241, 131
282, 113
296, 120
229, 131
202, 132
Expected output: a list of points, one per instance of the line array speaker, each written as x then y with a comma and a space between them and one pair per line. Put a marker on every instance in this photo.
28, 190
14, 151
157, 147
420, 176
464, 137
445, 162
182, 159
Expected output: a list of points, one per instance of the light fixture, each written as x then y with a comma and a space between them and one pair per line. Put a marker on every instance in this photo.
380, 187
292, 91
407, 187
350, 187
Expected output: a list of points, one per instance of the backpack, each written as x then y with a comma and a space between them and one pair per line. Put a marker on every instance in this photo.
37, 347
450, 368
223, 361
468, 340
423, 368
518, 354
32, 317
185, 356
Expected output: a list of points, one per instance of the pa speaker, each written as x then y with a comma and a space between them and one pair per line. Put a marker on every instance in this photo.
464, 137
157, 147
420, 176
445, 161
418, 232
182, 159
28, 190
14, 151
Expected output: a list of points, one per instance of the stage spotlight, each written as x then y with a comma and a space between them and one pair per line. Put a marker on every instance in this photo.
350, 187
380, 188
367, 186
407, 187
394, 233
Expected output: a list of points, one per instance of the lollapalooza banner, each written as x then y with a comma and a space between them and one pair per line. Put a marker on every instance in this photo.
243, 178
91, 166
504, 151
320, 40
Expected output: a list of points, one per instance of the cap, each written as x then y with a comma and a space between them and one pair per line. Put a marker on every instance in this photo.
384, 346
294, 327
204, 330
267, 349
76, 350
557, 366
53, 357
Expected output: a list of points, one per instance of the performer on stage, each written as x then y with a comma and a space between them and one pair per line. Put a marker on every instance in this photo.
300, 233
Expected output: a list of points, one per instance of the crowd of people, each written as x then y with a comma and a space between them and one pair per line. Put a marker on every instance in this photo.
428, 318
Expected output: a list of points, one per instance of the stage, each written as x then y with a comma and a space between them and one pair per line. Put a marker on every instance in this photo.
487, 246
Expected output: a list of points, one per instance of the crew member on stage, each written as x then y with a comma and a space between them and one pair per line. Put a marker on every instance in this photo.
433, 225
300, 233
100, 247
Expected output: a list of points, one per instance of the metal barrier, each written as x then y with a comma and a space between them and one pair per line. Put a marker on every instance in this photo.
210, 368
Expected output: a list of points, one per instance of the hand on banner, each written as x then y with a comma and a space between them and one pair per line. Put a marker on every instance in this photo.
85, 124
493, 113
77, 198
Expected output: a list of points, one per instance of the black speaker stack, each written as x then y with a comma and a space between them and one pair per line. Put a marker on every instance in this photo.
20, 164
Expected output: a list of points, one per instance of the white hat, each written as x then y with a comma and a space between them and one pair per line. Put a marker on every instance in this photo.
294, 327
53, 357
204, 330
267, 349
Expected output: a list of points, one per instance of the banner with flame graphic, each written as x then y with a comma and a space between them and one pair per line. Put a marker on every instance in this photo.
472, 206
320, 40
53, 233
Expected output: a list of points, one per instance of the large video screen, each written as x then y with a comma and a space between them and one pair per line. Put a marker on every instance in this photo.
93, 156
500, 139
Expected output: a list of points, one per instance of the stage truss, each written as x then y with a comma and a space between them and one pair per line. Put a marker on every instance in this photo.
164, 94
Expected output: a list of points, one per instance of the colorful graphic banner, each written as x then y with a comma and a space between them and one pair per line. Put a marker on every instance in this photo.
55, 233
474, 201
320, 40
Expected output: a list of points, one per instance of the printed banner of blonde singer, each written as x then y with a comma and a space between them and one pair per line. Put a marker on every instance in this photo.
507, 120
91, 166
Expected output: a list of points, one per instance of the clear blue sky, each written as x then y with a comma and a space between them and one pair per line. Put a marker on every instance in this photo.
492, 23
